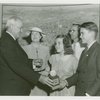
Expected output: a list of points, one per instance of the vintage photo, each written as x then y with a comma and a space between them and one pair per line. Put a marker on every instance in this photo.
49, 50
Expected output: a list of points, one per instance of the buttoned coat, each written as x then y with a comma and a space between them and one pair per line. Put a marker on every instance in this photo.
16, 74
87, 77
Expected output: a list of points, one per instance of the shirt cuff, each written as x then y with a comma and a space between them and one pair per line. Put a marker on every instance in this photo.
87, 94
66, 83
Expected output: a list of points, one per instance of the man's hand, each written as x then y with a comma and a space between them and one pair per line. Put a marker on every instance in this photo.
63, 84
46, 80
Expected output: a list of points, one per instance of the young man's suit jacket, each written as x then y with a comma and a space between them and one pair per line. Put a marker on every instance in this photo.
87, 77
16, 74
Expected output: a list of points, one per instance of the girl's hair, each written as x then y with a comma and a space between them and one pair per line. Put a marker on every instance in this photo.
66, 44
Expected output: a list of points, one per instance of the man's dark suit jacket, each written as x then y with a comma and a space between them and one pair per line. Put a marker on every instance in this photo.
87, 77
16, 74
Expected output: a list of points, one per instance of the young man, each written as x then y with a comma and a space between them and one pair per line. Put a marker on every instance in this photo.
16, 74
87, 76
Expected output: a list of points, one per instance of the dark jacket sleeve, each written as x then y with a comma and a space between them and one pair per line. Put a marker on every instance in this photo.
95, 87
18, 62
72, 80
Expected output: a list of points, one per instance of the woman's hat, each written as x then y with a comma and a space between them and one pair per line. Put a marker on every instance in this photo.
36, 29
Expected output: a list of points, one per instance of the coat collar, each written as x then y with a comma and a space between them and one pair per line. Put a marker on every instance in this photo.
93, 47
5, 35
11, 35
91, 44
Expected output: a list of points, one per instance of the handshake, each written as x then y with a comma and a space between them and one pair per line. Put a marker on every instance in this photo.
53, 81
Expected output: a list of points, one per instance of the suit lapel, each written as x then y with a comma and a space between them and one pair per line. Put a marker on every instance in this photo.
84, 57
15, 42
86, 51
92, 48
20, 48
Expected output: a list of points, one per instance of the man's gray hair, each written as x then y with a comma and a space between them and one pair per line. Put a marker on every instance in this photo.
14, 20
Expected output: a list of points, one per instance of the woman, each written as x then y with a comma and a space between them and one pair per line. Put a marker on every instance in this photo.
64, 63
40, 55
77, 45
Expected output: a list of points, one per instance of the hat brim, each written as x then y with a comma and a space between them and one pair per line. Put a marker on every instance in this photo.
37, 31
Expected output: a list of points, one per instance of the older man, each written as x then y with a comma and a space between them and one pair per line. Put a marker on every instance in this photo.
16, 74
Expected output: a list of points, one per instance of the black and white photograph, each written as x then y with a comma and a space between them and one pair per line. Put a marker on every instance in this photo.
50, 49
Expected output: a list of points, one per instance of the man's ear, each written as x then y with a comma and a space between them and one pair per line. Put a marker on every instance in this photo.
92, 33
12, 27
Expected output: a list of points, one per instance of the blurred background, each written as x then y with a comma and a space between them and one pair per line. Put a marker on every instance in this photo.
52, 19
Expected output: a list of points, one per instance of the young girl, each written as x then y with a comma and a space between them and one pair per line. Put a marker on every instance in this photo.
64, 63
